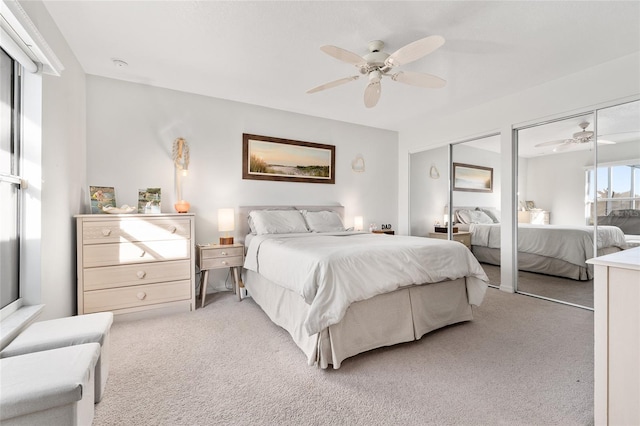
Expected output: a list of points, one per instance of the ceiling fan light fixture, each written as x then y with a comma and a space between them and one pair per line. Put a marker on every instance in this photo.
377, 64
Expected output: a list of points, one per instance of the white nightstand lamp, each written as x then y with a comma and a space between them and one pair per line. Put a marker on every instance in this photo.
226, 223
357, 223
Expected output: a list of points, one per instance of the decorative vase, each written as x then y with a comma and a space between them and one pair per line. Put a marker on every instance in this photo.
182, 206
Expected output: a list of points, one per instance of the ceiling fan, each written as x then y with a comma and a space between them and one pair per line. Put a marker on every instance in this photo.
581, 137
377, 64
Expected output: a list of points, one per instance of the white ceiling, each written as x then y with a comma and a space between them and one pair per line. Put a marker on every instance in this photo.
267, 53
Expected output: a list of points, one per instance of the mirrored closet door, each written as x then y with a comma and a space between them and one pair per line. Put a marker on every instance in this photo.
567, 181
475, 200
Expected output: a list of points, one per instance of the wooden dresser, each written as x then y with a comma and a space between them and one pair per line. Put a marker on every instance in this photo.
616, 317
136, 264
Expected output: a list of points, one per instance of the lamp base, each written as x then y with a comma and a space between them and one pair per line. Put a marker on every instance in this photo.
226, 241
182, 206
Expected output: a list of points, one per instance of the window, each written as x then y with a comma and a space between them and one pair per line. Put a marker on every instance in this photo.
10, 126
618, 189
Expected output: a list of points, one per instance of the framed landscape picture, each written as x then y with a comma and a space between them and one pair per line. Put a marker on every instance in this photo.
149, 200
472, 178
267, 158
101, 197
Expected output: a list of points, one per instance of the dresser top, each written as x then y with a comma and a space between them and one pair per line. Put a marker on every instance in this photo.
625, 259
103, 216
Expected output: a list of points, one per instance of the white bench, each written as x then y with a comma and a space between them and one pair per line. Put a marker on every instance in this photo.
68, 331
54, 387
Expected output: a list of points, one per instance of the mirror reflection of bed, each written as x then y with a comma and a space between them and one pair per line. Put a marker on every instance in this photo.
556, 186
556, 170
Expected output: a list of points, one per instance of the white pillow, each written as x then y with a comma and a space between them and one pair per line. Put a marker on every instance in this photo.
277, 222
473, 216
492, 212
323, 221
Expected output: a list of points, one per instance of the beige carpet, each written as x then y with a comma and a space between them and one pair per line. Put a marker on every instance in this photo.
522, 361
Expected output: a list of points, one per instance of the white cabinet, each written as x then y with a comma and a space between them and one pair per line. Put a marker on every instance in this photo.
617, 338
535, 217
136, 264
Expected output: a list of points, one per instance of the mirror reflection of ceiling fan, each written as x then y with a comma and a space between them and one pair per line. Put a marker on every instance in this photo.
578, 138
377, 64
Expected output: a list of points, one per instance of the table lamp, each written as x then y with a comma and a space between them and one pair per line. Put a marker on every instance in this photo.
226, 223
357, 223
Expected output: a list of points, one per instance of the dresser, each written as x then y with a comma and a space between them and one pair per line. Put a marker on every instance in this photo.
616, 295
136, 265
535, 217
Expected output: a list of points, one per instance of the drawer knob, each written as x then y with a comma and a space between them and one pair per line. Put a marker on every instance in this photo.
224, 262
141, 274
141, 295
224, 253
143, 253
173, 229
106, 232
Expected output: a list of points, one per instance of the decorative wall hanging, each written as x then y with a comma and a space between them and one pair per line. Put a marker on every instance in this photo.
267, 158
357, 165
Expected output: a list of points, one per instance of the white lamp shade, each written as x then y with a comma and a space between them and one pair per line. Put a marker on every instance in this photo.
226, 220
357, 223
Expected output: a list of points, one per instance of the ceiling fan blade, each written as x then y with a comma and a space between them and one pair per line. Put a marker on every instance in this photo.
415, 50
551, 143
372, 94
344, 55
562, 147
333, 84
419, 79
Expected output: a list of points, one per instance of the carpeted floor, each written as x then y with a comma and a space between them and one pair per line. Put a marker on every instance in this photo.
521, 361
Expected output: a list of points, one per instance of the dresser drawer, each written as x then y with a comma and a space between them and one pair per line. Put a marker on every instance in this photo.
212, 253
221, 262
138, 274
130, 297
134, 229
124, 253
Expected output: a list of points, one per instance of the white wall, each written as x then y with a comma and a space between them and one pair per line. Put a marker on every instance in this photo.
131, 129
565, 173
602, 84
62, 176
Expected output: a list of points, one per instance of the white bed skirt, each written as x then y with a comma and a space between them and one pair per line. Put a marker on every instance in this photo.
384, 320
541, 264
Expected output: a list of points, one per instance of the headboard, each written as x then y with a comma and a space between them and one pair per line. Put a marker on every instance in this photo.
243, 222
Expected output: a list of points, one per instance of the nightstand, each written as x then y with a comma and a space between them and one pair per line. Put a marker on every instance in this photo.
461, 237
384, 231
215, 256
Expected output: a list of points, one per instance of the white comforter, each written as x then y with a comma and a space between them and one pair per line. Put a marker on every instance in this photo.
331, 271
573, 244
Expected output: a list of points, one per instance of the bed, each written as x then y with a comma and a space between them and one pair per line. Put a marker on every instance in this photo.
547, 249
340, 293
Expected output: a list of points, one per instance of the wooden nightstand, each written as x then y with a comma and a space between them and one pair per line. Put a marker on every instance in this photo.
461, 237
215, 256
384, 231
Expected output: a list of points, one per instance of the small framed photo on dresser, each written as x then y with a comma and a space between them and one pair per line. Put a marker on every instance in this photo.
101, 197
149, 200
